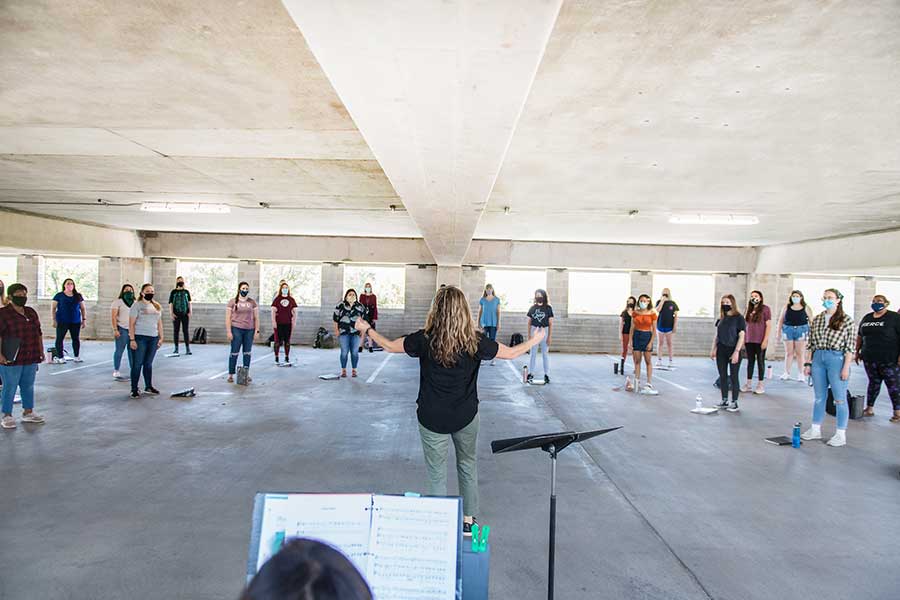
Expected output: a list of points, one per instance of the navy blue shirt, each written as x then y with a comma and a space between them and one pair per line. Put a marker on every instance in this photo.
68, 310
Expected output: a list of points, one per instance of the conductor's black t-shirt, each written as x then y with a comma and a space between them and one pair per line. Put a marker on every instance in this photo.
448, 396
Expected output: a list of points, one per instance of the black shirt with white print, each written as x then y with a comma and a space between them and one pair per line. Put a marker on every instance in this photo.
540, 315
880, 338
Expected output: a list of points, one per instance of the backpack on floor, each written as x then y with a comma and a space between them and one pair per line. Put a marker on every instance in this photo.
516, 339
199, 336
857, 405
323, 339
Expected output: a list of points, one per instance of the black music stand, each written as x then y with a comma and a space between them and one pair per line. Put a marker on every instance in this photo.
553, 444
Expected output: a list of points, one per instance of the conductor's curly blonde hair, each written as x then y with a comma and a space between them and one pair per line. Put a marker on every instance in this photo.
450, 328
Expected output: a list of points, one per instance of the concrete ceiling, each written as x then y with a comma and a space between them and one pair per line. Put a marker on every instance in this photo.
786, 110
180, 102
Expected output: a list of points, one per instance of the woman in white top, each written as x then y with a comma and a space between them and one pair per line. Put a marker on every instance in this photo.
145, 331
119, 310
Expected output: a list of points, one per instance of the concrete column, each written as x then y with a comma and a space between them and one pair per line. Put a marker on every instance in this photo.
27, 275
417, 297
641, 283
449, 276
249, 271
332, 291
162, 275
558, 291
473, 282
864, 289
734, 284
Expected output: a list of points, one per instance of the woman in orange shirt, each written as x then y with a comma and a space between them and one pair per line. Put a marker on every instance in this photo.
643, 334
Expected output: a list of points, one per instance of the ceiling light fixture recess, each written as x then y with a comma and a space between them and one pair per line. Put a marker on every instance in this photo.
186, 207
714, 220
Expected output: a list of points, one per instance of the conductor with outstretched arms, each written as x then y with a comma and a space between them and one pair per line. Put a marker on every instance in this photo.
450, 350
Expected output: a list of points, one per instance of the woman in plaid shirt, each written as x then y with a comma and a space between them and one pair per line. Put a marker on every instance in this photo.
828, 357
20, 329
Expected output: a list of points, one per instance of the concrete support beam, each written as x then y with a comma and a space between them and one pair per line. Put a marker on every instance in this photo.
28, 233
868, 253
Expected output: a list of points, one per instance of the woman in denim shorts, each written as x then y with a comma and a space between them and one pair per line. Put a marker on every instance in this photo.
794, 326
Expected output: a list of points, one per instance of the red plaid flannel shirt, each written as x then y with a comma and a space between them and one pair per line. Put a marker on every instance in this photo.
27, 328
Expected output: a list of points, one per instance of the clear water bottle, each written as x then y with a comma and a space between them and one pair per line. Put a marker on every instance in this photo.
795, 438
699, 402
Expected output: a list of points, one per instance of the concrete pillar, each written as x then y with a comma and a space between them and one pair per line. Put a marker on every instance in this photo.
249, 271
641, 283
449, 276
27, 275
558, 291
417, 297
332, 290
473, 282
864, 289
734, 284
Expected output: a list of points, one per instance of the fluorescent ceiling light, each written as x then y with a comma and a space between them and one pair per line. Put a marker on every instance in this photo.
186, 207
713, 220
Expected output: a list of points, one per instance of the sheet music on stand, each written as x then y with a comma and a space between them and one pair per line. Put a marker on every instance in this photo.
406, 547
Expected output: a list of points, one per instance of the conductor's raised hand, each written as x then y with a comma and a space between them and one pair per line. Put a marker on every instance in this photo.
539, 335
362, 325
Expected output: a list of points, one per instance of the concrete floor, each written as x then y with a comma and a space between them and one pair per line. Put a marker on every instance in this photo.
118, 498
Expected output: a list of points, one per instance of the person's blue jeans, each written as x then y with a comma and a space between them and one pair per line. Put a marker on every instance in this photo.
19, 377
545, 354
490, 332
142, 360
349, 345
241, 341
121, 346
826, 371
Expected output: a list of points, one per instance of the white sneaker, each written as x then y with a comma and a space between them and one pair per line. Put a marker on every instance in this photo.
58, 361
649, 390
8, 422
839, 439
745, 388
77, 359
785, 376
801, 378
659, 362
813, 433
32, 418
117, 375
17, 399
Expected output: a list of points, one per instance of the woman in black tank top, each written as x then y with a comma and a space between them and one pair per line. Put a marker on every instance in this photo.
794, 327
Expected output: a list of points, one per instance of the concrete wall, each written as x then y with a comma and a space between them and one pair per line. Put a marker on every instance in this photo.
21, 232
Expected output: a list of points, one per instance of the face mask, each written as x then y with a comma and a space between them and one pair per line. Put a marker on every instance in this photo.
128, 298
726, 308
284, 291
244, 292
631, 305
148, 297
828, 304
878, 306
643, 306
179, 284
795, 299
69, 287
368, 290
20, 301
754, 300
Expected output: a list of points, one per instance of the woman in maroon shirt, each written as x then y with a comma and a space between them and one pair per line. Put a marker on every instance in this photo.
21, 350
370, 301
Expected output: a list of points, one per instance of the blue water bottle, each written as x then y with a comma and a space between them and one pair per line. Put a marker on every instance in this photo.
795, 438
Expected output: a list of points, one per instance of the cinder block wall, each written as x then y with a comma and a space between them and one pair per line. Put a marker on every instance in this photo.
572, 333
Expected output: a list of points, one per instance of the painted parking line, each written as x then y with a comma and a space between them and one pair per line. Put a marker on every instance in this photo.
679, 386
378, 370
225, 372
105, 362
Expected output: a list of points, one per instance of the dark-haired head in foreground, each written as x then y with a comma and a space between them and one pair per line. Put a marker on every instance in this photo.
307, 570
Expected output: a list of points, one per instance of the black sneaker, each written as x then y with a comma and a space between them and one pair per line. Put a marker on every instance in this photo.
371, 349
276, 360
134, 394
733, 407
175, 351
188, 351
467, 528
723, 403
152, 390
546, 379
530, 378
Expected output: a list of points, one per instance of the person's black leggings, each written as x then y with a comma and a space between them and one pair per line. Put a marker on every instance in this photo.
181, 321
756, 355
283, 336
74, 330
728, 380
